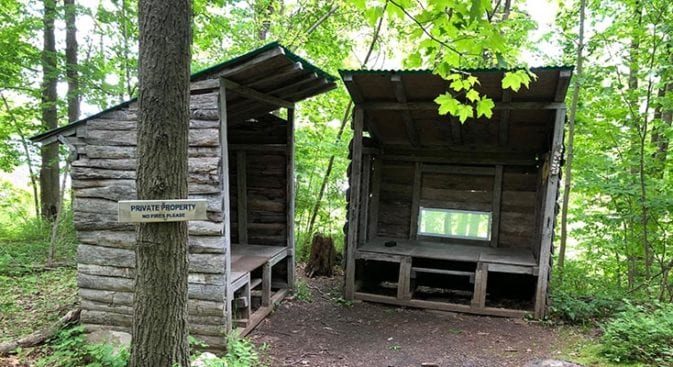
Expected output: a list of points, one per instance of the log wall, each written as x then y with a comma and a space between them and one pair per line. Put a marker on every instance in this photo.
103, 174
397, 213
258, 147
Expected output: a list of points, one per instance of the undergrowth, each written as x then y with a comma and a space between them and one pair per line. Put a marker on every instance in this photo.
640, 333
69, 348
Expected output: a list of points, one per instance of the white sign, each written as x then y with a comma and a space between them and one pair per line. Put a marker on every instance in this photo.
140, 211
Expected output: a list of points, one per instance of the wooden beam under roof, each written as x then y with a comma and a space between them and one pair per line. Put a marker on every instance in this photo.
254, 94
401, 96
353, 89
396, 106
562, 85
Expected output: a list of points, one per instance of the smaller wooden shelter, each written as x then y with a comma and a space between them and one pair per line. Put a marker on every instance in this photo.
452, 216
241, 159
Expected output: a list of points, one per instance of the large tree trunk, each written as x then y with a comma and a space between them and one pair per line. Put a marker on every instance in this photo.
567, 184
71, 59
160, 303
49, 189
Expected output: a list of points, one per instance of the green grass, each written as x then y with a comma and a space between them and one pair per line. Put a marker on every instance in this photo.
32, 296
585, 350
32, 301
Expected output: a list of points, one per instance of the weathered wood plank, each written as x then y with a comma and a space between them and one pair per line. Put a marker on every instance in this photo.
374, 205
242, 197
354, 203
548, 214
497, 200
415, 201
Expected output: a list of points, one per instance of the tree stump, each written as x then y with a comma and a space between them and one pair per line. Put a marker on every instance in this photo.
322, 258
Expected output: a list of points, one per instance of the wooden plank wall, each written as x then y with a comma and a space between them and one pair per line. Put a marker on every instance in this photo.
103, 174
454, 190
266, 171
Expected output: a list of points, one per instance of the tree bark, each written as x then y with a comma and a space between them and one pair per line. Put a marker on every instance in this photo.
567, 184
49, 187
160, 302
71, 64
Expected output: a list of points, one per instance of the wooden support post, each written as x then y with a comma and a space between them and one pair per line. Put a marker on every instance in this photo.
354, 203
373, 217
289, 159
226, 232
242, 197
497, 202
266, 284
548, 213
366, 175
480, 283
404, 281
415, 201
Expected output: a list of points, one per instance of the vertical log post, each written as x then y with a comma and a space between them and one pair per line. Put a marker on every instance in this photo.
354, 203
549, 213
226, 208
289, 158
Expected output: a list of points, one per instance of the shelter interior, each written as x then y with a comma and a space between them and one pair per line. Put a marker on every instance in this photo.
240, 158
449, 215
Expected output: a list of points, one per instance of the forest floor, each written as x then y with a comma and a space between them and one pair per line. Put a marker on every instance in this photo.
317, 327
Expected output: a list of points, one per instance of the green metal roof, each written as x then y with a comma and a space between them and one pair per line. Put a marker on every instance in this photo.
210, 70
343, 72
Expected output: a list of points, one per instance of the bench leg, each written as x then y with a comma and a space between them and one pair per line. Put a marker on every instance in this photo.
266, 285
404, 280
480, 281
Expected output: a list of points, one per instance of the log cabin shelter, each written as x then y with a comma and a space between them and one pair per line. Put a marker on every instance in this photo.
448, 215
240, 158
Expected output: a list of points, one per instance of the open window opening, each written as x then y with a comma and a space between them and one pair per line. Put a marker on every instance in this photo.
453, 223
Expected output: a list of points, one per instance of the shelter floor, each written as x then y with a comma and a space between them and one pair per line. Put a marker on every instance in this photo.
327, 332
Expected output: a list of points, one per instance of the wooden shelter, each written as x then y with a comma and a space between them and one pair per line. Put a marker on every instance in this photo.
452, 216
241, 160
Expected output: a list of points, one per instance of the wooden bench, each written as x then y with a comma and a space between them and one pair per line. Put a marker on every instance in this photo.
486, 259
246, 259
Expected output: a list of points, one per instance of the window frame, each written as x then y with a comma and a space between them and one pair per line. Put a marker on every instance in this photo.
419, 232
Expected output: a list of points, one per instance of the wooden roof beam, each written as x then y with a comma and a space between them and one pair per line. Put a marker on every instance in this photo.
254, 94
282, 74
562, 85
401, 96
353, 89
411, 106
214, 83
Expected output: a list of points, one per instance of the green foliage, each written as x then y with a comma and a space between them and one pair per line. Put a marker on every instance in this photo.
34, 299
25, 238
302, 292
582, 310
241, 352
69, 348
640, 334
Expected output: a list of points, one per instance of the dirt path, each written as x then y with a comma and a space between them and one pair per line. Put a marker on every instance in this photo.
329, 332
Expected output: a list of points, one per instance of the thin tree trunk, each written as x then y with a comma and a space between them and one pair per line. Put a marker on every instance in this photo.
26, 151
330, 164
572, 115
160, 302
49, 172
71, 64
57, 220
